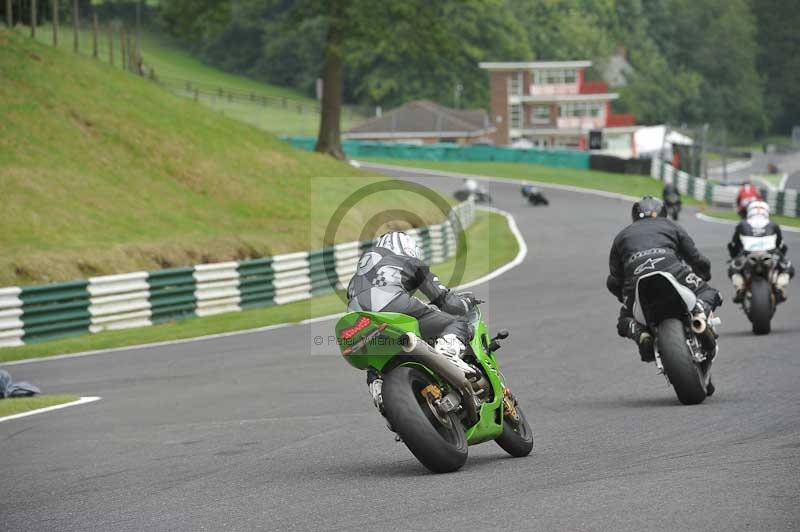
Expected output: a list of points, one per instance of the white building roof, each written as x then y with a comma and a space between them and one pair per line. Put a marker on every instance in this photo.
535, 65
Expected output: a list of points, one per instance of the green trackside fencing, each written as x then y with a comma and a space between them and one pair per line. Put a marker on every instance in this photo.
782, 202
453, 152
39, 313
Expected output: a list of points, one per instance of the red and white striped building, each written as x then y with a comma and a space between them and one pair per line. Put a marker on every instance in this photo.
551, 104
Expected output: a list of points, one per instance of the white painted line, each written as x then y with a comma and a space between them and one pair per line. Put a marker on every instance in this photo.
81, 401
523, 250
715, 220
784, 179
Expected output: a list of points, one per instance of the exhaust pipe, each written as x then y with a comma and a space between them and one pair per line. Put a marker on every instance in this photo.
412, 345
698, 324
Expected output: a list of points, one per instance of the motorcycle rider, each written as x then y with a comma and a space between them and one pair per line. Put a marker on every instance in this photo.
386, 277
653, 242
671, 196
747, 193
758, 223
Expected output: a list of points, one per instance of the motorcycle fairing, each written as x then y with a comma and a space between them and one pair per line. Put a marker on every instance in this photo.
662, 295
759, 243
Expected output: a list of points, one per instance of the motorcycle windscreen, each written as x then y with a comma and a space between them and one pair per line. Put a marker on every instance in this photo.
759, 243
660, 296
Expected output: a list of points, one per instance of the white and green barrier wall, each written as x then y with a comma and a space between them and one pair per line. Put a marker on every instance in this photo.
783, 202
44, 312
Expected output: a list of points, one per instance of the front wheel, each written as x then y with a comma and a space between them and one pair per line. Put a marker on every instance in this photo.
686, 377
761, 305
517, 436
437, 441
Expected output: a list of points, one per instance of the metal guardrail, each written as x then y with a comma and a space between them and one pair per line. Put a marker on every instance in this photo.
782, 202
44, 312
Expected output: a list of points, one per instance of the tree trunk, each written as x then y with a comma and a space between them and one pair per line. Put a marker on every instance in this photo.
76, 25
329, 139
9, 14
95, 30
33, 18
55, 21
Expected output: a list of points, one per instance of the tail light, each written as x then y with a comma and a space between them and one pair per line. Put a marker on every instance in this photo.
361, 324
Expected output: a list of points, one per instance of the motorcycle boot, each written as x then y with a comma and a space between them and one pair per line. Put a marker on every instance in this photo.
453, 348
630, 328
738, 283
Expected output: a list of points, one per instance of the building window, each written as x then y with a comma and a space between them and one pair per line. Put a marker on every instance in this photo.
515, 84
540, 114
515, 116
555, 77
580, 109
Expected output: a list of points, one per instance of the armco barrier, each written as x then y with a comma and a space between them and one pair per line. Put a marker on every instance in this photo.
454, 152
784, 202
37, 313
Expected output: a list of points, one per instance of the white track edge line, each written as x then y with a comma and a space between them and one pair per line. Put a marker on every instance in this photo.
523, 250
81, 401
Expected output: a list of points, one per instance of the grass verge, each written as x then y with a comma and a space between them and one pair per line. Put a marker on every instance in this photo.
18, 405
633, 185
490, 244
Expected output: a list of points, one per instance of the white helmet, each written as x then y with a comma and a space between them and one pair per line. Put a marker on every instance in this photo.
757, 209
400, 243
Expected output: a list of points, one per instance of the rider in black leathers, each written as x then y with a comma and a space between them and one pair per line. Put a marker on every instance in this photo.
652, 242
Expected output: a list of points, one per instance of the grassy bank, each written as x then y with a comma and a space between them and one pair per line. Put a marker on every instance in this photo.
490, 244
173, 67
18, 405
104, 172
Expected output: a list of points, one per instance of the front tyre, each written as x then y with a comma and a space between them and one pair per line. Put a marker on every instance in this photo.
517, 436
685, 376
437, 442
760, 305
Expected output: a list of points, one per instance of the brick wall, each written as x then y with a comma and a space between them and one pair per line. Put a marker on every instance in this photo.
498, 108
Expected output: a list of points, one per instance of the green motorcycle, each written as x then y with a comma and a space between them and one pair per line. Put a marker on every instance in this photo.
435, 407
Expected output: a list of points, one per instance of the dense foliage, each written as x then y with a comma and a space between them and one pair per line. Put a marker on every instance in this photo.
733, 63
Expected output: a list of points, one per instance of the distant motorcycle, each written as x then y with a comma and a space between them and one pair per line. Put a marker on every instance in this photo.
758, 265
474, 190
685, 343
534, 195
673, 205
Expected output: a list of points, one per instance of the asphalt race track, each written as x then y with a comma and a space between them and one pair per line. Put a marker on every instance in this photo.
251, 432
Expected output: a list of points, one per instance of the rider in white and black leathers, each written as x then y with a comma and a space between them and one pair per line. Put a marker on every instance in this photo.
385, 280
653, 242
757, 223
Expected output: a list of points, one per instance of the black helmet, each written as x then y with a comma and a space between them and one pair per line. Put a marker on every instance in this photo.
648, 207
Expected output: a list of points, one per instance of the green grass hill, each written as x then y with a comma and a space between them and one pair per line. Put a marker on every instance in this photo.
103, 172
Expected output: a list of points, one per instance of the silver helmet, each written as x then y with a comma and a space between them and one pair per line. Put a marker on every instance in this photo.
400, 243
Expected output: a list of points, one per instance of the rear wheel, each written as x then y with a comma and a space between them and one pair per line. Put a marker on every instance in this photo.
686, 377
437, 441
760, 305
517, 436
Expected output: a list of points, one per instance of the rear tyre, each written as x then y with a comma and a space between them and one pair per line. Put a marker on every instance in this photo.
760, 305
685, 376
439, 446
517, 437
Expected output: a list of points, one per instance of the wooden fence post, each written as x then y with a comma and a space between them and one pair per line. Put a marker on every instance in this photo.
111, 45
33, 18
9, 14
76, 25
95, 47
54, 5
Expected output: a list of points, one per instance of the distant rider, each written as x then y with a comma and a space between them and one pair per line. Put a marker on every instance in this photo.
654, 243
747, 193
670, 195
386, 278
758, 224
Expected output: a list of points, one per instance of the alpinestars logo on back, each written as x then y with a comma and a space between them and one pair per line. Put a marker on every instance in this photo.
649, 264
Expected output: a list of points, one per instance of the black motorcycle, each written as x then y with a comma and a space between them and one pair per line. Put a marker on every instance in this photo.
758, 265
685, 343
534, 195
673, 204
